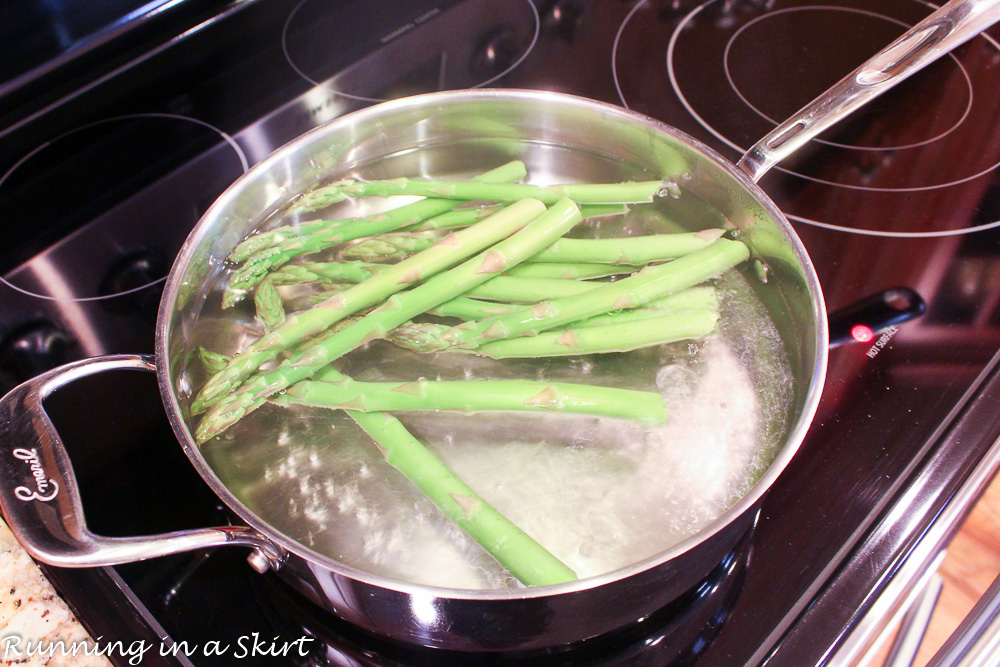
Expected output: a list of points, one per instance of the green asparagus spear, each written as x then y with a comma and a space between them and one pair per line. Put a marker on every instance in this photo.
477, 396
356, 271
628, 249
463, 216
394, 247
466, 308
268, 305
459, 217
570, 270
389, 248
536, 282
527, 560
449, 251
508, 289
396, 310
625, 250
621, 336
529, 290
512, 289
702, 297
258, 265
261, 260
326, 272
587, 193
212, 361
416, 234
648, 284
318, 198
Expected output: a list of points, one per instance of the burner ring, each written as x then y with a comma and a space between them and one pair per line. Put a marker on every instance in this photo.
690, 108
492, 51
775, 122
60, 286
629, 85
895, 235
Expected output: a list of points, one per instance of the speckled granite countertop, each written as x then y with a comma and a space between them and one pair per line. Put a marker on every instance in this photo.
36, 626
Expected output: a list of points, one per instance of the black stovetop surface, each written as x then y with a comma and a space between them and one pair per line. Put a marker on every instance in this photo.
906, 194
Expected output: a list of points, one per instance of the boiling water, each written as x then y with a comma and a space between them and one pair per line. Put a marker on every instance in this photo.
599, 493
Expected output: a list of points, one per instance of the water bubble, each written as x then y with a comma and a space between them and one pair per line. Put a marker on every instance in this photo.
669, 189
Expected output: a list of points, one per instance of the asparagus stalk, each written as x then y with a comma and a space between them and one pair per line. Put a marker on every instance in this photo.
393, 247
357, 271
621, 336
506, 289
389, 248
463, 216
478, 396
702, 297
449, 251
629, 249
261, 260
651, 283
258, 265
534, 283
625, 250
529, 290
527, 560
512, 289
318, 198
212, 361
466, 308
268, 305
570, 270
399, 308
459, 217
326, 272
587, 193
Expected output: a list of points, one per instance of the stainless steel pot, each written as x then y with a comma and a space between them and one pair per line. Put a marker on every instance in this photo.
559, 136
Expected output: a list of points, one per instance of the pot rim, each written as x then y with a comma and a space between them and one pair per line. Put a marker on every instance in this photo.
201, 233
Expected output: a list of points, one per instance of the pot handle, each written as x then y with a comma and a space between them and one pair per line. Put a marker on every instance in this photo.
946, 29
41, 501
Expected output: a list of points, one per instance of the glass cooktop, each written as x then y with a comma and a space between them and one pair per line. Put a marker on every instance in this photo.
107, 166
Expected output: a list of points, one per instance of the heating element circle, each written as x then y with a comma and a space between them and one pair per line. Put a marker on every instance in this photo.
469, 45
736, 70
127, 168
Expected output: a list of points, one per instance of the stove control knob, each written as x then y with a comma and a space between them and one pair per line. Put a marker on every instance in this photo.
563, 18
34, 349
864, 320
497, 51
131, 272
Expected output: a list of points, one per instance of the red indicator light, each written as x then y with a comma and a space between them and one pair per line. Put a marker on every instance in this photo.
862, 333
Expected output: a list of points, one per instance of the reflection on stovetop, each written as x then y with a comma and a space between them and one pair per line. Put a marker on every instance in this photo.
906, 194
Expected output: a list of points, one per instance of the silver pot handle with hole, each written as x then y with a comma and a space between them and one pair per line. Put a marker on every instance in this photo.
946, 29
39, 495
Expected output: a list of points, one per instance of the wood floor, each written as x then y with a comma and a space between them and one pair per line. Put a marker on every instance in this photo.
970, 566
